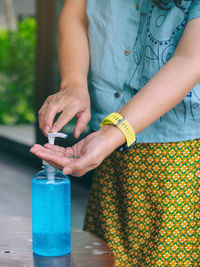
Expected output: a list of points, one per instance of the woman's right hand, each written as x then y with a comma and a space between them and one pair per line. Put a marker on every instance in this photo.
73, 101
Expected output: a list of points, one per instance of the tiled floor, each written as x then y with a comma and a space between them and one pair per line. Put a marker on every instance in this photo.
15, 190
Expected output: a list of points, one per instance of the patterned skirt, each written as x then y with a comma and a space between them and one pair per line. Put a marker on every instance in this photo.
145, 204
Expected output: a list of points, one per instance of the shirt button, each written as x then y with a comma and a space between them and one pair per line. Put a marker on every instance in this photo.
127, 52
137, 5
117, 95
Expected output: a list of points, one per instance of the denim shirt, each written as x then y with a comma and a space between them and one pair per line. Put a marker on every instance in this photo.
130, 41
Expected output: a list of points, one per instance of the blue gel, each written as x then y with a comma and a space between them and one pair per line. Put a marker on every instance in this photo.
51, 214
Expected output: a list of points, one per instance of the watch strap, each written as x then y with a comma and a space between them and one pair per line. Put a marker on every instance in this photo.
118, 120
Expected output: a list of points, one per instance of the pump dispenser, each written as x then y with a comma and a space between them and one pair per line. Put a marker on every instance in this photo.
51, 209
50, 169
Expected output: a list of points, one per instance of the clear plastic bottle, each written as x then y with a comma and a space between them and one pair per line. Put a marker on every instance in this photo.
51, 210
51, 214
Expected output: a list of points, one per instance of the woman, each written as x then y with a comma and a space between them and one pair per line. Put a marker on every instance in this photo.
145, 66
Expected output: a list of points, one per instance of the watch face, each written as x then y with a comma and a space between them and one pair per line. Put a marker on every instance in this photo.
124, 147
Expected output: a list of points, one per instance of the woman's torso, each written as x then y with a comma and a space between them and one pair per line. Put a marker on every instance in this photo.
129, 42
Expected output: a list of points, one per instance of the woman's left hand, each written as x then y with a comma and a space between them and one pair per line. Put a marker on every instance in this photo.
83, 156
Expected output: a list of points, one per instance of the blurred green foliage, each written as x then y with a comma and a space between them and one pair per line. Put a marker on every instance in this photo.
17, 73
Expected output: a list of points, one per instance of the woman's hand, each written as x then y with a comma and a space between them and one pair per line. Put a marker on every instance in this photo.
71, 102
83, 156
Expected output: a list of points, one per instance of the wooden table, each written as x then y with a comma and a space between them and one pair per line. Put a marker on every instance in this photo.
16, 248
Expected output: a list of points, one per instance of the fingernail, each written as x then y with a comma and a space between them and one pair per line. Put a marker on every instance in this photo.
67, 170
32, 149
47, 129
77, 133
53, 130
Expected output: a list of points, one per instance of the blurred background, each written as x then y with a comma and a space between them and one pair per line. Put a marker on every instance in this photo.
28, 74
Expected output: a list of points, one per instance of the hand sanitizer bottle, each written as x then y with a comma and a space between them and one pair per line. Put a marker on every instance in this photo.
51, 210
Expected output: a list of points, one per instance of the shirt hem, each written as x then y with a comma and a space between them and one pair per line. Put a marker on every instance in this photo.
167, 140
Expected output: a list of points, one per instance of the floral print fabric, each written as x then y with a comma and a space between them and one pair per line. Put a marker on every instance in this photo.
145, 204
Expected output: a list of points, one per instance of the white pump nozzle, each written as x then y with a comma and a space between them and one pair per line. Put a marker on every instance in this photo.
52, 136
51, 139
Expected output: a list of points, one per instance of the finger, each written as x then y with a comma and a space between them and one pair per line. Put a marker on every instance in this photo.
53, 151
54, 165
48, 117
49, 155
43, 117
66, 116
40, 149
78, 165
35, 147
82, 122
55, 159
55, 148
69, 152
80, 174
41, 113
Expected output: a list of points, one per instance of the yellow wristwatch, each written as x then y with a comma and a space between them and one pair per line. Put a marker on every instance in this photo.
118, 120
